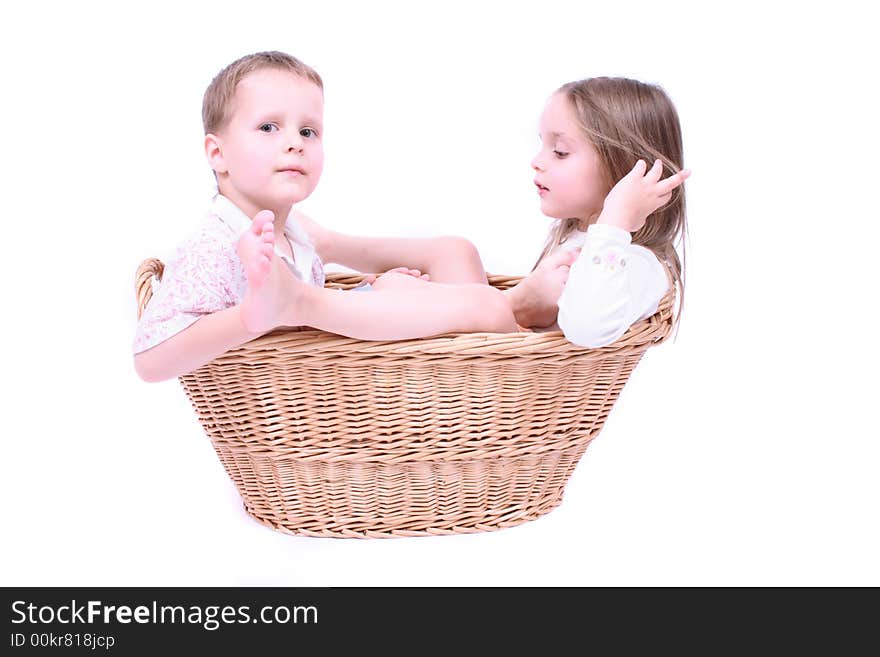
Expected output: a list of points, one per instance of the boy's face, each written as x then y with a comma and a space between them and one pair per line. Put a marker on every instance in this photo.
568, 171
270, 153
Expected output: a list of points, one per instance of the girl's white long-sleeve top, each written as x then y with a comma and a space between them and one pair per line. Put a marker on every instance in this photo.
612, 284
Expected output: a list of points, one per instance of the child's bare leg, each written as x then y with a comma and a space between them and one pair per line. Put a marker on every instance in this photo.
414, 309
456, 260
273, 294
399, 314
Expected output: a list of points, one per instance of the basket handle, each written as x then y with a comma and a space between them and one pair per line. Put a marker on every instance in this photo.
143, 281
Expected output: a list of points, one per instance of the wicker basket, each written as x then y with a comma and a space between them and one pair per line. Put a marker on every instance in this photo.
330, 436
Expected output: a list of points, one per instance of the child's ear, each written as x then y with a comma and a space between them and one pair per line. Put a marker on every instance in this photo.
214, 153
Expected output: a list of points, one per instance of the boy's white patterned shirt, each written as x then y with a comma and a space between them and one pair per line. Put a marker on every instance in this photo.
206, 276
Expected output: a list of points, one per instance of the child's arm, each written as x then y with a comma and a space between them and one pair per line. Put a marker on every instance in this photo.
611, 285
445, 259
192, 316
614, 283
209, 337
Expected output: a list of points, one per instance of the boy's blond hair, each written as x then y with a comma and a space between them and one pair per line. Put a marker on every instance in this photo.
218, 96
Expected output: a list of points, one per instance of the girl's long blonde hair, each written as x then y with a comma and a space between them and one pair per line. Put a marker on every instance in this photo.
627, 120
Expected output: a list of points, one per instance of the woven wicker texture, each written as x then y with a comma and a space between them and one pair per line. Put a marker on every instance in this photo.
329, 436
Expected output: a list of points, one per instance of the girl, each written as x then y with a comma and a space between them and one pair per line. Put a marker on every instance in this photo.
595, 132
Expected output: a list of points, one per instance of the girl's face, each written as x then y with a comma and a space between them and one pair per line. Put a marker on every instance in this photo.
569, 174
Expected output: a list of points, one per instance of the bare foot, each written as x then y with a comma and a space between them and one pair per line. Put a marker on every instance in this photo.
272, 290
534, 299
256, 247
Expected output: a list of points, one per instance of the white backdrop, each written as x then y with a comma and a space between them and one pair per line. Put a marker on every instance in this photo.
744, 453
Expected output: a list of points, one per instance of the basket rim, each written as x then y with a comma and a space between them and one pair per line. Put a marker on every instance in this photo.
309, 341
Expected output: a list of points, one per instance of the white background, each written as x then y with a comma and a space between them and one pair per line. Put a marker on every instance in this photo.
745, 453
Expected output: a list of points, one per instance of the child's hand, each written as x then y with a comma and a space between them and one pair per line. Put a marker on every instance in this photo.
401, 278
638, 194
415, 273
405, 271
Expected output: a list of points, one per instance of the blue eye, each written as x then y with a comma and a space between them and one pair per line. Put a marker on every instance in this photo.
268, 127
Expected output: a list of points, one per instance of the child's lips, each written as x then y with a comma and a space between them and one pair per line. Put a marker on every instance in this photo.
541, 189
293, 171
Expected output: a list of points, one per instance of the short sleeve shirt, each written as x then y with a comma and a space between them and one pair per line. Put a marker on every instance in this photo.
206, 276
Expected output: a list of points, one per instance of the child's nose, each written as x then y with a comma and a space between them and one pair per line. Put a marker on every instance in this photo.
537, 164
295, 142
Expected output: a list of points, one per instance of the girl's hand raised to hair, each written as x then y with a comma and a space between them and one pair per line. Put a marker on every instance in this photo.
638, 194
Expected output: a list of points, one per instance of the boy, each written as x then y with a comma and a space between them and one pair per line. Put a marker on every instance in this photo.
257, 263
